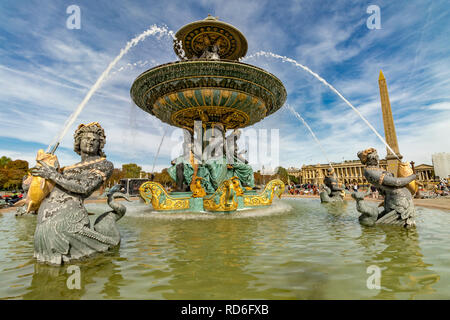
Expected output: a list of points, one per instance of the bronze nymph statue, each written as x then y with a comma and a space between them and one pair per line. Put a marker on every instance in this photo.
63, 232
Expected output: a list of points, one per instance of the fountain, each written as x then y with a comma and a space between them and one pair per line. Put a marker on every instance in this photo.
210, 90
207, 93
295, 249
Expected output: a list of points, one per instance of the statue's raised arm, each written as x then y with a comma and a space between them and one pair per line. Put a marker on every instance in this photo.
390, 181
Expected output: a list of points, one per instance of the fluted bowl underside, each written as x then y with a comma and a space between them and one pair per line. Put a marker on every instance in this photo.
231, 93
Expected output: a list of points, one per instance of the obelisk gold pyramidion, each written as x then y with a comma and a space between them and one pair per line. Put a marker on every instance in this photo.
389, 127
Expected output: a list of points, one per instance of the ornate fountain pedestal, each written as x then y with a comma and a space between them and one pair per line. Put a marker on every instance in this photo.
228, 197
211, 87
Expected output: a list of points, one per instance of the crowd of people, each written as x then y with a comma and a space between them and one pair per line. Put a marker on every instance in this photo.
8, 200
313, 189
307, 188
442, 188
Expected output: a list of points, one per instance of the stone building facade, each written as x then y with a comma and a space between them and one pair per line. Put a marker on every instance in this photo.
425, 173
296, 172
351, 171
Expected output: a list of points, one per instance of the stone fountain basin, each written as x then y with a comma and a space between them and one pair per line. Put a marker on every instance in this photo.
232, 93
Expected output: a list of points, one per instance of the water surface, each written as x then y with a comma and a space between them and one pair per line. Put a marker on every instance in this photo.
297, 249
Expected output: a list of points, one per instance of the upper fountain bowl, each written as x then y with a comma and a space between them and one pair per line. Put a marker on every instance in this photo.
209, 85
198, 36
230, 93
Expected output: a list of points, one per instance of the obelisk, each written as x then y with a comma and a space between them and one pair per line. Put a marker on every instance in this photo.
389, 127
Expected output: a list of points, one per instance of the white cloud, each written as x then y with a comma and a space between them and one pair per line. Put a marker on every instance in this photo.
439, 106
46, 71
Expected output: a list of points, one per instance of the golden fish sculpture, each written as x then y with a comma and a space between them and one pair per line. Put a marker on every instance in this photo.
40, 187
405, 170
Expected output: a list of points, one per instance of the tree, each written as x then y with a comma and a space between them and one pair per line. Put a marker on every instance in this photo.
3, 177
294, 179
12, 174
115, 178
258, 177
282, 174
17, 165
164, 178
4, 161
131, 170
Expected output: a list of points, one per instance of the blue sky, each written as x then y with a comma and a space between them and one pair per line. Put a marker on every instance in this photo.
47, 69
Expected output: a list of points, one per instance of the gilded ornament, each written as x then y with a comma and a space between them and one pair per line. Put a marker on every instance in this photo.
237, 186
196, 187
156, 194
273, 187
223, 200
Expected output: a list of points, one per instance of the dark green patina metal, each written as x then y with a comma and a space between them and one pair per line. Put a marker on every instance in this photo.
247, 88
209, 85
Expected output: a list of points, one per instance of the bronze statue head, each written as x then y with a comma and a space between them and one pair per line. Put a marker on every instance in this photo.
92, 130
368, 157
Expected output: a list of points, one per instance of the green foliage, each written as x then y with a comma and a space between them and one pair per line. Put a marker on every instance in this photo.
294, 179
164, 178
17, 165
282, 174
4, 161
115, 177
131, 170
3, 178
12, 173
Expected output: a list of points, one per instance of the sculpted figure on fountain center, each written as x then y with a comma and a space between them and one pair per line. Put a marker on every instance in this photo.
211, 53
212, 168
185, 167
182, 168
398, 202
237, 164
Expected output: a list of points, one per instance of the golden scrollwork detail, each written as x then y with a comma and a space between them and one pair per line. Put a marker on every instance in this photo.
237, 186
223, 200
154, 193
196, 187
273, 188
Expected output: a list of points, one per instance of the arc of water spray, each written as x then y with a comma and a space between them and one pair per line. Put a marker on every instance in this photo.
286, 59
298, 116
128, 66
159, 148
154, 29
